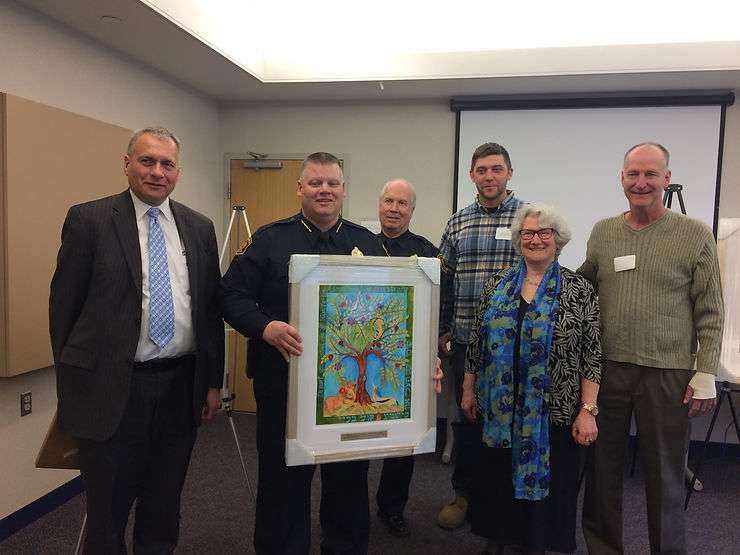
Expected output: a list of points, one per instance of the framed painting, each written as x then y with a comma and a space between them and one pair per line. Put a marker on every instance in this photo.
362, 389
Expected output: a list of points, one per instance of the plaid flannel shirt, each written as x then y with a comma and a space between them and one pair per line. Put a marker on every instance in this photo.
469, 253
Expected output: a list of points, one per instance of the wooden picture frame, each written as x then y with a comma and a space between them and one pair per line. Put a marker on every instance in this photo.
362, 389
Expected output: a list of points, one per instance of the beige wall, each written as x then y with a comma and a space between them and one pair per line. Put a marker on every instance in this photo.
45, 62
379, 141
408, 139
20, 439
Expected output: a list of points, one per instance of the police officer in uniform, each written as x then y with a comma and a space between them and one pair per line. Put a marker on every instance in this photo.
254, 296
397, 203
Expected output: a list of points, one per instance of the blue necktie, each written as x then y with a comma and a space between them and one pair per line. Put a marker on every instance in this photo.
161, 309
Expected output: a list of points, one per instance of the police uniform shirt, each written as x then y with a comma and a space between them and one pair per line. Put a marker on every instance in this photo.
255, 289
408, 244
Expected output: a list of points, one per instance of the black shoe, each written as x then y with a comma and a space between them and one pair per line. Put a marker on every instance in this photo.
396, 524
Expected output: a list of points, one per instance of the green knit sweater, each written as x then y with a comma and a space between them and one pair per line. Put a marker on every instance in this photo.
654, 314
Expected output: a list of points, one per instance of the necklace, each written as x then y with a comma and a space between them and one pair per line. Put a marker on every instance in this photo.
532, 282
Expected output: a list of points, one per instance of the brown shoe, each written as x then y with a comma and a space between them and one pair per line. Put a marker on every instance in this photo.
453, 514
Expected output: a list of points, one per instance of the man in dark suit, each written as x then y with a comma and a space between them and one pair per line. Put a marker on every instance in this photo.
397, 203
138, 346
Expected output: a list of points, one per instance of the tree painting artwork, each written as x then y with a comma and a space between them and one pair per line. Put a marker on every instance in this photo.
364, 366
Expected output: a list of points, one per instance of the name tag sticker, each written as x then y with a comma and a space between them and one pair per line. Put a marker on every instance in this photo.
503, 233
622, 263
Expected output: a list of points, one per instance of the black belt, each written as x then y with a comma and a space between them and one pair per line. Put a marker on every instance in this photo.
155, 365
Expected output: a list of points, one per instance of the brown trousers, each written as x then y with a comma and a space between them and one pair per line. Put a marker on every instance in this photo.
656, 397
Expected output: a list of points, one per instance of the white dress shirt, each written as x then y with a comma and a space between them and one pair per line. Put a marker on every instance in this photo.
184, 341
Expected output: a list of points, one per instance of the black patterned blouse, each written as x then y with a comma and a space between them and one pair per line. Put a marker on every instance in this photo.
576, 343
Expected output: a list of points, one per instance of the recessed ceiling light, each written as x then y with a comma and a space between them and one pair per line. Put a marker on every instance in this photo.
110, 19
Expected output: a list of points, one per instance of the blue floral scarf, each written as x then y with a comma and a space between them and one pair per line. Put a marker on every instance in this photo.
528, 437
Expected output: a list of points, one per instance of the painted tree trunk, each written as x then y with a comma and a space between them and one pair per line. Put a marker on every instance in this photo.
362, 396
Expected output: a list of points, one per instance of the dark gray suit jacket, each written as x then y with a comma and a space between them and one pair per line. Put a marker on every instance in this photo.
95, 311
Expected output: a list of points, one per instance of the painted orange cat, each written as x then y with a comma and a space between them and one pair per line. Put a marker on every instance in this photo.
345, 396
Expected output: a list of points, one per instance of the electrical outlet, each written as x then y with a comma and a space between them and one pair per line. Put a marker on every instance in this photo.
26, 406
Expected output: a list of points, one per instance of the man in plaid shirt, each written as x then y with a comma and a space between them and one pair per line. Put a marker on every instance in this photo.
475, 243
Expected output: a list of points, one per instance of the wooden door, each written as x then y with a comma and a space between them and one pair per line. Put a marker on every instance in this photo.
267, 195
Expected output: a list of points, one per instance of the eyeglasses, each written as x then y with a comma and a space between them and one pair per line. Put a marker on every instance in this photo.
544, 233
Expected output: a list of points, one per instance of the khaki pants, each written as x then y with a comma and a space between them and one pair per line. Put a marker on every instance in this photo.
656, 397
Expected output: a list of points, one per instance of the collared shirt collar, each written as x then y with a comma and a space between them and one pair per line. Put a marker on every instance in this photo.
141, 207
393, 244
403, 235
312, 227
488, 209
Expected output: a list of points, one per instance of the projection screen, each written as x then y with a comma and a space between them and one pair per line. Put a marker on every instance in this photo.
571, 158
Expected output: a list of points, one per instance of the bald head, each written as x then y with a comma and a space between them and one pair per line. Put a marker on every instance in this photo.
648, 147
397, 202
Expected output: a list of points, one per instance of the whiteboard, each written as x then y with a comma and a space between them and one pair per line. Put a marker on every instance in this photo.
572, 158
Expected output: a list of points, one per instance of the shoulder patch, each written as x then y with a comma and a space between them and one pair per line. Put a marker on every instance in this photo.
245, 246
444, 266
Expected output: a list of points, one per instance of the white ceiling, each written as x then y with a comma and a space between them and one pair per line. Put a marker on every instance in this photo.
149, 38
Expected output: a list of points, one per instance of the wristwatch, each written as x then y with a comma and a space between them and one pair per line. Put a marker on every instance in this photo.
591, 408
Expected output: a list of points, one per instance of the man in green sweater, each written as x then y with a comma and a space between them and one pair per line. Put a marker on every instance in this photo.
658, 281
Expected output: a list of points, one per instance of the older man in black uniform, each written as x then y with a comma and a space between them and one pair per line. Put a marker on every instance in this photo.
254, 295
397, 203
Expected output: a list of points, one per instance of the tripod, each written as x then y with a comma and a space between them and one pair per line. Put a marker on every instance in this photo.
227, 396
725, 391
668, 196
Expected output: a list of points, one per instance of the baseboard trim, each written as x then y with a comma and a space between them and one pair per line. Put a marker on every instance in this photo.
36, 509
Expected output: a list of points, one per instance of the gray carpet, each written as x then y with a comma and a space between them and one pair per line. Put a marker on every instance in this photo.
218, 513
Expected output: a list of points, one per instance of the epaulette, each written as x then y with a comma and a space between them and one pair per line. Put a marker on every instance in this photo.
276, 223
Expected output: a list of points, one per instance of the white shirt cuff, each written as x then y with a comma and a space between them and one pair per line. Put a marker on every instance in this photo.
703, 385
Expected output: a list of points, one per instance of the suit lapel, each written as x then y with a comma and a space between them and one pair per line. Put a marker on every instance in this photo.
124, 219
190, 243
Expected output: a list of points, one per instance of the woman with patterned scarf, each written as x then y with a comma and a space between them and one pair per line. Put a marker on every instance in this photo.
532, 376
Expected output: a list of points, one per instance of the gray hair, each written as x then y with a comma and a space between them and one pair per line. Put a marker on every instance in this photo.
405, 182
660, 147
547, 216
160, 133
